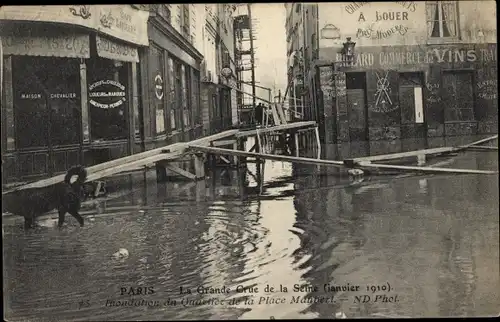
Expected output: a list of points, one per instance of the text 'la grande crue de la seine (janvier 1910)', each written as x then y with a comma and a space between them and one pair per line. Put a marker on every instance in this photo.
134, 296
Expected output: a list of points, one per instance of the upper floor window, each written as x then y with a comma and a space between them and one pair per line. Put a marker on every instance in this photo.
442, 19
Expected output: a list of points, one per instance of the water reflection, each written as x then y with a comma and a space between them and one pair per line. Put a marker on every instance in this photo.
434, 239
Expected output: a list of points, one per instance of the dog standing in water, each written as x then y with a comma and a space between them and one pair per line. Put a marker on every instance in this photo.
33, 202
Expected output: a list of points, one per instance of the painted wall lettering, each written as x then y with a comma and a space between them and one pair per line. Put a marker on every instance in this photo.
409, 57
488, 55
354, 6
391, 15
408, 5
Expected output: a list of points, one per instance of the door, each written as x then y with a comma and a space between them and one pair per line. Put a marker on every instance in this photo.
411, 104
356, 106
458, 96
47, 114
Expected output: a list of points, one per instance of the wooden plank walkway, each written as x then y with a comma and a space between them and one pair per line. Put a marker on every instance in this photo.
274, 157
369, 166
401, 155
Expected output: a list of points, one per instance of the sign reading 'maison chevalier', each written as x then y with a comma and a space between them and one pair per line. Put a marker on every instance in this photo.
106, 94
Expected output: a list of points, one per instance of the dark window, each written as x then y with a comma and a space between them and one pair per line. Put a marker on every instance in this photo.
185, 23
172, 98
185, 96
108, 114
46, 101
355, 81
195, 98
164, 11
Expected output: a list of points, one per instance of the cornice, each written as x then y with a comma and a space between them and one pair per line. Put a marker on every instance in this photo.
175, 36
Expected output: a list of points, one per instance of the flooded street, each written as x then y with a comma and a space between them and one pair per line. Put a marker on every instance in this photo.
389, 246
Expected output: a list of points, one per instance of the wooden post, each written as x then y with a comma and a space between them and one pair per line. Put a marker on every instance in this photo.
235, 158
161, 172
199, 166
296, 138
318, 142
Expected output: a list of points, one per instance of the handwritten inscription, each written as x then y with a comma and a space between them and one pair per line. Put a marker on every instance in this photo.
381, 34
432, 96
355, 6
488, 89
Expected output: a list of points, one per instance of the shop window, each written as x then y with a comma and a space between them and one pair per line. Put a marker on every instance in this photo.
156, 72
172, 97
47, 108
108, 89
185, 97
442, 19
195, 98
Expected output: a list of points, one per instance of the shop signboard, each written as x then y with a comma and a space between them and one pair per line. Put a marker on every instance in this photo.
107, 94
120, 21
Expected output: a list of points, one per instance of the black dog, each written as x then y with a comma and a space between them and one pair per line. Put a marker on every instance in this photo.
33, 202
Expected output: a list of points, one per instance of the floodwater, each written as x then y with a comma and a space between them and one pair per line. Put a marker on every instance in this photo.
388, 246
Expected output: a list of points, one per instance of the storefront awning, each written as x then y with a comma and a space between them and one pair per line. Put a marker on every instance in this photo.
107, 48
73, 46
120, 21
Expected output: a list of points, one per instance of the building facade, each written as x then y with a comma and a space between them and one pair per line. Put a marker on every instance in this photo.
170, 77
420, 69
70, 85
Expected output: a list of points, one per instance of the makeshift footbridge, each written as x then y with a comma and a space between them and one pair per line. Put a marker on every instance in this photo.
231, 143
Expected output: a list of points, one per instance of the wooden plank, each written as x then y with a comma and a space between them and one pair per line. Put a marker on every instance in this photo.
491, 138
288, 126
215, 137
400, 155
223, 142
276, 117
131, 165
481, 148
180, 171
274, 157
281, 113
96, 168
367, 166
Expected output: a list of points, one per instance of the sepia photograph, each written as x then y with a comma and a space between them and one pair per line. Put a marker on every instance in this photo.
223, 161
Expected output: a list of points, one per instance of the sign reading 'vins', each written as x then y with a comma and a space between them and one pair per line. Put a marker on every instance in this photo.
106, 94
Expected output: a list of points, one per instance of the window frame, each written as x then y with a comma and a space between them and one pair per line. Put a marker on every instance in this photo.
455, 19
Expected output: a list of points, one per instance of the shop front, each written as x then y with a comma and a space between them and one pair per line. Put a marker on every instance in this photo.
69, 95
399, 92
170, 86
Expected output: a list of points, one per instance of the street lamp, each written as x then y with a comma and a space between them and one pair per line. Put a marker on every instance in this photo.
349, 49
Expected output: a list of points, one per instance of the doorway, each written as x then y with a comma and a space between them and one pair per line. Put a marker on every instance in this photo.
458, 96
356, 106
412, 105
47, 100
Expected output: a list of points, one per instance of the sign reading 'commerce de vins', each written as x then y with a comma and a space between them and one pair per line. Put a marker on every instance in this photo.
106, 94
